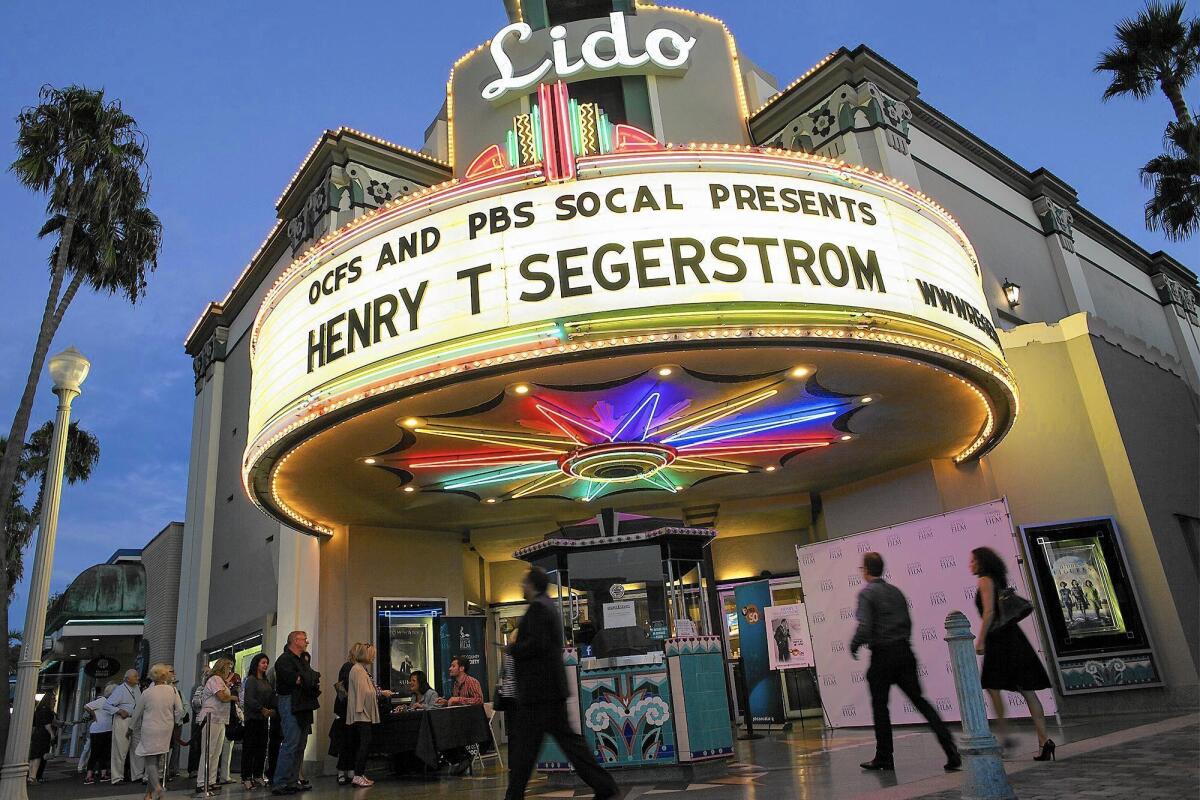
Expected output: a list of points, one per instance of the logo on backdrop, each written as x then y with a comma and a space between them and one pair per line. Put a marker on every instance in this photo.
846, 612
929, 634
894, 540
944, 704
947, 562
818, 617
958, 526
864, 547
858, 676
829, 680
827, 585
807, 559
849, 710
837, 646
924, 534
937, 599
835, 553
664, 50
914, 568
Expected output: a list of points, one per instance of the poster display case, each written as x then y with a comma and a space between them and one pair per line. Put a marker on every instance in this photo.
1090, 607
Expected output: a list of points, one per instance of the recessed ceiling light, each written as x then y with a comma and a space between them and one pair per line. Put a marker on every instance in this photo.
410, 489
72, 656
521, 388
847, 438
664, 371
95, 639
771, 468
867, 399
800, 372
368, 461
490, 500
412, 422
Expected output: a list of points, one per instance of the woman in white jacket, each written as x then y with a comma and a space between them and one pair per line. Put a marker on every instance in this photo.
362, 708
158, 711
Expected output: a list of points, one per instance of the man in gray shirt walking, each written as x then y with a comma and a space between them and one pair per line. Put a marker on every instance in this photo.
885, 627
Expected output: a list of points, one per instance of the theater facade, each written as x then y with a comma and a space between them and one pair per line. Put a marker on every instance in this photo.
628, 270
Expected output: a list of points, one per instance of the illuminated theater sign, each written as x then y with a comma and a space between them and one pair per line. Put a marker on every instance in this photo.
630, 246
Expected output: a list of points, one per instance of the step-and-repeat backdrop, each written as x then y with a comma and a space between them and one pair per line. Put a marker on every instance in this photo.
929, 560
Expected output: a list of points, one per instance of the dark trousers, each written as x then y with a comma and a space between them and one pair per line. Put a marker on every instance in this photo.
254, 749
360, 736
346, 749
101, 753
527, 725
895, 665
274, 740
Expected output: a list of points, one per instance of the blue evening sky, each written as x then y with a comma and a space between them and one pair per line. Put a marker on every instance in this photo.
232, 95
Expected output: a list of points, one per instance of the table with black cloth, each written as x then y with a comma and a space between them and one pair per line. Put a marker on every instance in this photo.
426, 733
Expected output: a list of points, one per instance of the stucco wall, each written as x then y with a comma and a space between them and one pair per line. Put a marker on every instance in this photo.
244, 538
747, 556
161, 559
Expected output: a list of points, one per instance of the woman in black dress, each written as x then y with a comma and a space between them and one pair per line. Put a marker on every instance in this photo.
1010, 663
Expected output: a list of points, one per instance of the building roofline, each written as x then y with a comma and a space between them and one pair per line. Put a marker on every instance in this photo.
945, 130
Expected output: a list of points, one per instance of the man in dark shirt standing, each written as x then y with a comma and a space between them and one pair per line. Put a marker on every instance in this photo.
885, 627
296, 684
541, 706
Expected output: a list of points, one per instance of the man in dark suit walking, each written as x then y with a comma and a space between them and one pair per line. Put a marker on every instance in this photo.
541, 708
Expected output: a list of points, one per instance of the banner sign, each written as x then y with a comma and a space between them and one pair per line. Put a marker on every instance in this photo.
460, 636
788, 628
541, 261
762, 685
929, 560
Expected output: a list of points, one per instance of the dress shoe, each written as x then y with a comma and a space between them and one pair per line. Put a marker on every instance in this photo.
953, 763
878, 764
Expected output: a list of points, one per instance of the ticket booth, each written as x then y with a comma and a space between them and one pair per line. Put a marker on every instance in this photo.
642, 656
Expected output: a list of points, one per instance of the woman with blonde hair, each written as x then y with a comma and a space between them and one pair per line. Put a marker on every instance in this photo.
362, 708
214, 715
158, 711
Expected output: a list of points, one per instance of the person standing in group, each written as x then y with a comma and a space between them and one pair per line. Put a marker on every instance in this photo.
235, 729
121, 704
1010, 664
158, 711
297, 686
258, 702
362, 709
541, 702
341, 743
99, 736
885, 626
41, 742
213, 717
194, 701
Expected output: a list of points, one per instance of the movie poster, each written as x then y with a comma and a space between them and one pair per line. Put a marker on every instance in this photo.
790, 646
408, 650
1083, 587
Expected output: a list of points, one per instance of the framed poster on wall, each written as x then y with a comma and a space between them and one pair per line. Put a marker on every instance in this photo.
1090, 606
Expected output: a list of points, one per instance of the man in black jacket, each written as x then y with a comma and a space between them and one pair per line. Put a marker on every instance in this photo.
297, 686
540, 706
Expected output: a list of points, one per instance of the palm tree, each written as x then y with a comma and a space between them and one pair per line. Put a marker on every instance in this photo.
89, 158
1157, 49
82, 455
1175, 178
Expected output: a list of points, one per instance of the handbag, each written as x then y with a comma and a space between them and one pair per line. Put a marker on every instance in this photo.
1011, 608
235, 729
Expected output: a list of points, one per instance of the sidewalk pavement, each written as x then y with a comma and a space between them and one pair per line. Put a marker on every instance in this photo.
1140, 757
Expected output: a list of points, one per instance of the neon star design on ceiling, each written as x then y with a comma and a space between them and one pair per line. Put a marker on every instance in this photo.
664, 430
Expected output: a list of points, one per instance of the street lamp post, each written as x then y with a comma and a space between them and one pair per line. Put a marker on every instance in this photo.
68, 370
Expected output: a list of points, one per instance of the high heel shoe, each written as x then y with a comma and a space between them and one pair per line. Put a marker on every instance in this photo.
1047, 753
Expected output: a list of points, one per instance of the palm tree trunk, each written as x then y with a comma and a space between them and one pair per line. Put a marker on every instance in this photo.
4, 665
51, 317
1175, 95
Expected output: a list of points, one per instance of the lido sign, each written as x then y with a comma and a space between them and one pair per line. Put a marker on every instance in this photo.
603, 51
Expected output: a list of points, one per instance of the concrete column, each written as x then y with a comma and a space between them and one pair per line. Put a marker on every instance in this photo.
1180, 309
1057, 226
196, 556
984, 777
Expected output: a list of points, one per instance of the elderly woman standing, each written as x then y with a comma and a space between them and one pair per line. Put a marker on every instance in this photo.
214, 715
158, 711
362, 709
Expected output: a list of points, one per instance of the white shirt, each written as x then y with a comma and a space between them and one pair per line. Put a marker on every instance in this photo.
103, 723
213, 707
125, 698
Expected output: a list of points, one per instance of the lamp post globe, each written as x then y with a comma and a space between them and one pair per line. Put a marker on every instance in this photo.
68, 370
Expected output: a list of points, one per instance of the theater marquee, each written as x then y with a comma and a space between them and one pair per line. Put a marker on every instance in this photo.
668, 249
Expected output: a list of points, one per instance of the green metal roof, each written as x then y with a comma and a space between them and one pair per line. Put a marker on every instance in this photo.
102, 592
